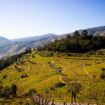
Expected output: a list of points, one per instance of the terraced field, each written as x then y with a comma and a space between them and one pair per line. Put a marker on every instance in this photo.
52, 77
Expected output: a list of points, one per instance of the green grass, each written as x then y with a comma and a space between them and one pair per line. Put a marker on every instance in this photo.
42, 77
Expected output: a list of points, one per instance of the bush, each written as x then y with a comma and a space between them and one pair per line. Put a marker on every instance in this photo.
32, 91
1, 87
24, 75
4, 76
59, 85
75, 87
102, 75
13, 90
103, 69
6, 92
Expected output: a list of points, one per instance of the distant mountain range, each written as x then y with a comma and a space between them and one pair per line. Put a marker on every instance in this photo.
11, 47
95, 31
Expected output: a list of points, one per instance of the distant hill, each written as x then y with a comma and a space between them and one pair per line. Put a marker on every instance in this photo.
11, 47
99, 31
81, 42
95, 31
3, 41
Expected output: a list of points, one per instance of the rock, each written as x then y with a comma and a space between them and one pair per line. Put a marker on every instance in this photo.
59, 70
4, 77
24, 76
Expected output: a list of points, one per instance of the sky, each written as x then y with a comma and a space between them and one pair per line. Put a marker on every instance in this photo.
23, 18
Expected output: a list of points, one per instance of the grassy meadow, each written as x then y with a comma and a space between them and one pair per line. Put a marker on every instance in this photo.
38, 71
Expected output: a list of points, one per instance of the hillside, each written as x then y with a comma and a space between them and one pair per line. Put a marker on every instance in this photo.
95, 31
52, 76
80, 42
3, 42
11, 47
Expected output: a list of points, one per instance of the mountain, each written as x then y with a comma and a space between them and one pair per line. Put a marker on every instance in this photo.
95, 31
100, 31
3, 41
11, 47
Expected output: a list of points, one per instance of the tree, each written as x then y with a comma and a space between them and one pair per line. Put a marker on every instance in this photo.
76, 44
68, 36
76, 34
74, 89
32, 91
102, 75
5, 92
13, 90
84, 33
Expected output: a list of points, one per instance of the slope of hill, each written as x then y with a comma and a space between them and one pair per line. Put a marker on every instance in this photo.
3, 42
11, 47
95, 31
52, 76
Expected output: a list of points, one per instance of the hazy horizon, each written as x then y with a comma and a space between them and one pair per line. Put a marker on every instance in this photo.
25, 18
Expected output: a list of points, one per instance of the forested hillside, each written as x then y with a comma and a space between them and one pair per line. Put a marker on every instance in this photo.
78, 43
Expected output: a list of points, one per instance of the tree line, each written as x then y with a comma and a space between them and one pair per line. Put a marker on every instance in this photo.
77, 43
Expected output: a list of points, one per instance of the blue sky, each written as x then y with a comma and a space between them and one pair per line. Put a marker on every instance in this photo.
22, 18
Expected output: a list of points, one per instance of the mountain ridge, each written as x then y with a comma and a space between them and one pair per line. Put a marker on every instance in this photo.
14, 46
23, 43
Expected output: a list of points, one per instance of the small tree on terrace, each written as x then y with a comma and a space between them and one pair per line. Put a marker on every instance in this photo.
13, 90
74, 89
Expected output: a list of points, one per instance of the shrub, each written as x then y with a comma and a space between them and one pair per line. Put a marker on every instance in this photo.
5, 92
18, 68
75, 87
59, 85
32, 91
4, 76
13, 90
102, 75
24, 75
1, 87
103, 69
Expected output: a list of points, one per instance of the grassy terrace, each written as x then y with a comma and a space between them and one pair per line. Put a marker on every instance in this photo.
41, 76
